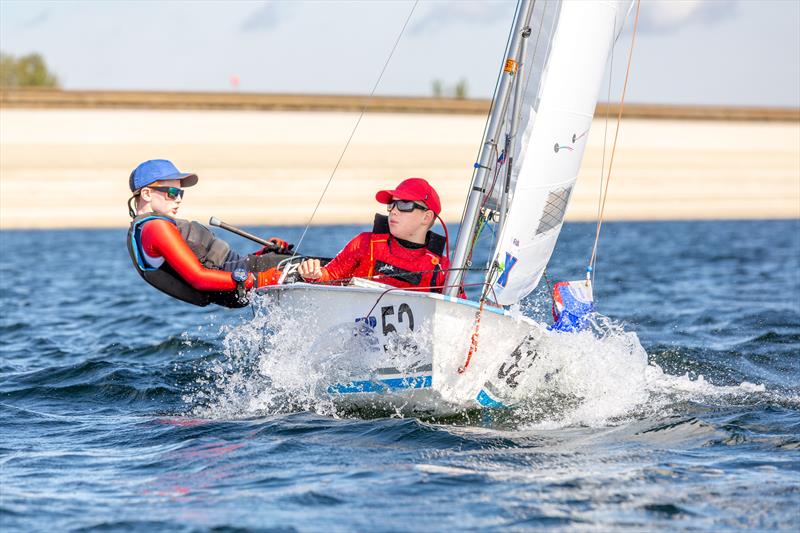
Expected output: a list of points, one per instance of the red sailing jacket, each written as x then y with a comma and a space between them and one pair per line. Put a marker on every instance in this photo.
378, 256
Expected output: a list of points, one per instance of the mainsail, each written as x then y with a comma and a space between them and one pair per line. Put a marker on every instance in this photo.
534, 140
562, 69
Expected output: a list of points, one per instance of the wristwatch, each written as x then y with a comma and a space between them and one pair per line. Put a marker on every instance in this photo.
240, 276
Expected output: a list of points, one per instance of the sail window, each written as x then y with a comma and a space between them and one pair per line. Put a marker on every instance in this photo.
554, 209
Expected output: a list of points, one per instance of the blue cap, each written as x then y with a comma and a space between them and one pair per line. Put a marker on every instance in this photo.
158, 170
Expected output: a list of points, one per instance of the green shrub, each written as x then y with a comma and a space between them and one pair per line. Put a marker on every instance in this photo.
25, 71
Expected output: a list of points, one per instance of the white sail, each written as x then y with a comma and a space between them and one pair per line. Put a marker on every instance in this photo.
556, 114
543, 20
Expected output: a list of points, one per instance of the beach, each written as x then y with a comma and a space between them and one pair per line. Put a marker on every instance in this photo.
69, 168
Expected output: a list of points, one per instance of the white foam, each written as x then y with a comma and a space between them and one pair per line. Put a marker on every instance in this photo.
281, 362
586, 378
602, 377
278, 362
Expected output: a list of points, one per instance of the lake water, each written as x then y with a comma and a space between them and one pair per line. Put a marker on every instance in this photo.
125, 410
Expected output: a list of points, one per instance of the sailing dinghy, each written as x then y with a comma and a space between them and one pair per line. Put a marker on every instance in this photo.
428, 352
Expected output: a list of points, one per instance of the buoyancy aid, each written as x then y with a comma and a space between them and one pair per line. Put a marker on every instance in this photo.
392, 263
210, 251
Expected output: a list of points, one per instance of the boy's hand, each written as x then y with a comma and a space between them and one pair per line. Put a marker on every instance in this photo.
310, 269
278, 246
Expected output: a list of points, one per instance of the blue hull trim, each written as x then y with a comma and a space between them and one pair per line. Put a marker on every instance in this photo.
382, 385
487, 401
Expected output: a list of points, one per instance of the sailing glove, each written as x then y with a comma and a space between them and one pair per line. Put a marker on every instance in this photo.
278, 246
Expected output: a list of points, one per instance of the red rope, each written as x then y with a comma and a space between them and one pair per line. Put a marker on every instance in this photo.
473, 342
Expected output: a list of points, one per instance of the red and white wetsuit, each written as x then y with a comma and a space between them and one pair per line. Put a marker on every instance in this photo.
161, 241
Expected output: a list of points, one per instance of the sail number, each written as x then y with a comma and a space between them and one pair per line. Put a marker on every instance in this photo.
390, 321
511, 370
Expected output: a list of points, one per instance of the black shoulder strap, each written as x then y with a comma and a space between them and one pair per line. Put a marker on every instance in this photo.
134, 232
381, 224
436, 243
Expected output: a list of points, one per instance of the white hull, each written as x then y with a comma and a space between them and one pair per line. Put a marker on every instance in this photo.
404, 350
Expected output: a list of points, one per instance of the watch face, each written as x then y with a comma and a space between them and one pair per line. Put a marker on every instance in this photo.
239, 275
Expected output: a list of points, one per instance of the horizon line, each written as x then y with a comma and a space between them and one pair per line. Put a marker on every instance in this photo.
49, 98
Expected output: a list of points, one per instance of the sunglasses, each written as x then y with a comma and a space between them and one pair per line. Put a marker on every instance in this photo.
405, 206
171, 192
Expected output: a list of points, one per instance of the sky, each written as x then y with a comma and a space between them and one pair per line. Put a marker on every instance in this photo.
697, 52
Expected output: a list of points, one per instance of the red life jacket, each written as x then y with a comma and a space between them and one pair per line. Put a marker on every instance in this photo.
393, 264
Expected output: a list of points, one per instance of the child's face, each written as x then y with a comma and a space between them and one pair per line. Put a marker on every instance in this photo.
410, 225
159, 202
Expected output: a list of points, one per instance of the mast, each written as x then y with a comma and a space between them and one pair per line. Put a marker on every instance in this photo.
484, 164
512, 133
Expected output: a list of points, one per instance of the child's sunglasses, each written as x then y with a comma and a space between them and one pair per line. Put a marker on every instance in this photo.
171, 192
406, 206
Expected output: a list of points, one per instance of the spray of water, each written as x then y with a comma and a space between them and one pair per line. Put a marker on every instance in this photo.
267, 368
281, 361
603, 376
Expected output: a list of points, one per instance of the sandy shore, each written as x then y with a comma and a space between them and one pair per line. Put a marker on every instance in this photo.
69, 168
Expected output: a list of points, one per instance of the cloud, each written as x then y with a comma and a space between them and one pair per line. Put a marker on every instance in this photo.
664, 16
37, 20
268, 16
441, 14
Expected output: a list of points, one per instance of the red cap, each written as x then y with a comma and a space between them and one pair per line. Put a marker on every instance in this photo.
416, 189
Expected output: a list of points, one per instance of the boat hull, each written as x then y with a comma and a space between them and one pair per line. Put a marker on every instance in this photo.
408, 350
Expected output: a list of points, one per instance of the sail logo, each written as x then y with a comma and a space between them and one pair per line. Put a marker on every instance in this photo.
509, 264
370, 321
575, 139
558, 147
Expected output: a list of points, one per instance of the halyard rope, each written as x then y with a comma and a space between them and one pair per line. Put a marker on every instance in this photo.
614, 146
605, 143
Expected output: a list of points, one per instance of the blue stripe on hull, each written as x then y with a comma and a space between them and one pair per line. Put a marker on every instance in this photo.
487, 401
382, 385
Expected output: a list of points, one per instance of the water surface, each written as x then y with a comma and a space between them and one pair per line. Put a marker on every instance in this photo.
123, 409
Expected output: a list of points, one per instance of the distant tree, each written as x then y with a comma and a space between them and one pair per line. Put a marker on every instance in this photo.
26, 71
461, 89
6, 67
438, 88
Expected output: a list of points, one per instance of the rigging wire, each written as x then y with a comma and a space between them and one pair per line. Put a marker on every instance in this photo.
614, 146
491, 107
487, 195
355, 127
605, 137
